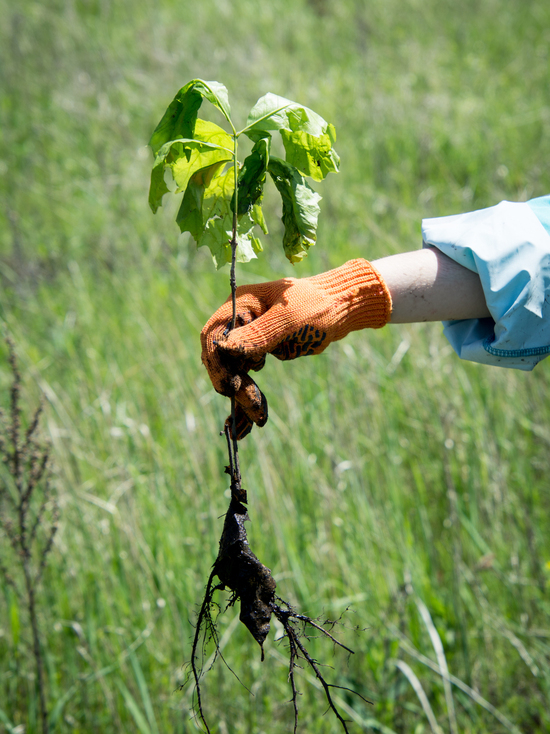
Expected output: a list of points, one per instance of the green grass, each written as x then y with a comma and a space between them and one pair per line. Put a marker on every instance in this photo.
390, 473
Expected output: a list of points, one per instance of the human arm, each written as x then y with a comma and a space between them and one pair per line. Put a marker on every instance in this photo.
296, 317
426, 285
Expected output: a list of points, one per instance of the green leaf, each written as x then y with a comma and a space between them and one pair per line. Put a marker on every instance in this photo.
217, 237
201, 158
252, 176
257, 215
196, 155
272, 112
189, 216
256, 244
212, 201
185, 157
217, 94
157, 187
181, 115
206, 213
179, 119
313, 156
300, 209
307, 137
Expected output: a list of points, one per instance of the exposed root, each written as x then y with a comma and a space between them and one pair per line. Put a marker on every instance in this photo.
207, 628
298, 650
240, 571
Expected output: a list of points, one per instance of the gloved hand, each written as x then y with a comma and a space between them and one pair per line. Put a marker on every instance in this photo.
288, 318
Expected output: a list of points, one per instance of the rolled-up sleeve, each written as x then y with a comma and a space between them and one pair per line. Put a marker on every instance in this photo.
508, 246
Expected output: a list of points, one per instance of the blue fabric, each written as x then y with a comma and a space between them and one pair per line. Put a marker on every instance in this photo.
541, 207
508, 245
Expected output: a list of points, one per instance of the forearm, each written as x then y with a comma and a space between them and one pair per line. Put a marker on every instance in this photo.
426, 285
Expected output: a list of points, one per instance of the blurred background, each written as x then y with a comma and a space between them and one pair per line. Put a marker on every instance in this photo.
393, 482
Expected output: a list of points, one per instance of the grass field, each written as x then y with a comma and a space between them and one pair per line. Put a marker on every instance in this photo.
392, 480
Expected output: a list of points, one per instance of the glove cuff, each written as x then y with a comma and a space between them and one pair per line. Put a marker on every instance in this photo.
360, 294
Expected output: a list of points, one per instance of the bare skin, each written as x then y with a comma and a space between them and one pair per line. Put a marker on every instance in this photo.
426, 285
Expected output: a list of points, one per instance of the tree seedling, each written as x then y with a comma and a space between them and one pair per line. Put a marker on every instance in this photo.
222, 209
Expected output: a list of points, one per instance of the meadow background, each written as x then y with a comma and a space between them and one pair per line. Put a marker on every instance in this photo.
392, 479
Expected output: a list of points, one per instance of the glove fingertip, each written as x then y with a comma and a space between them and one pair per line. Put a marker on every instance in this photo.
243, 424
253, 402
263, 412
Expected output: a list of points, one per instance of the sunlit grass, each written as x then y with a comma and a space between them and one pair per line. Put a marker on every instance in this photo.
389, 473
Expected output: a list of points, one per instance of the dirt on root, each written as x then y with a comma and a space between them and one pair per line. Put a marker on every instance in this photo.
240, 570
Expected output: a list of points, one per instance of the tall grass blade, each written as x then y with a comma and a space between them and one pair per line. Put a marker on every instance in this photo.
7, 723
144, 691
57, 710
133, 708
442, 661
413, 679
506, 723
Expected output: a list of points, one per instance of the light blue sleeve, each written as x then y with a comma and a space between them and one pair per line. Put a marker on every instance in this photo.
508, 245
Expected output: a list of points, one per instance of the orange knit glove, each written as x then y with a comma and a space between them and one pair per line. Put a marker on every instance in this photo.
288, 318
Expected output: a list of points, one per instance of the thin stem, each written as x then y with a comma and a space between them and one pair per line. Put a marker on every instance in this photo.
27, 463
232, 275
227, 432
232, 445
30, 588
